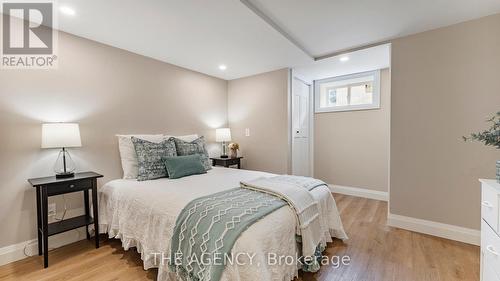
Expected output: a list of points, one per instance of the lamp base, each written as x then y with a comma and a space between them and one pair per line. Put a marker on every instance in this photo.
224, 156
65, 175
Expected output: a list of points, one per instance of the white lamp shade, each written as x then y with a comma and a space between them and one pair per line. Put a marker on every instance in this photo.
58, 135
222, 134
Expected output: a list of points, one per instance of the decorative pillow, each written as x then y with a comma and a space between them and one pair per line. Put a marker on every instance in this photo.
127, 152
181, 166
129, 157
188, 138
150, 158
195, 147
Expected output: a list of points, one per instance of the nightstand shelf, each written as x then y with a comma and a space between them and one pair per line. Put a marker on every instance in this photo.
69, 224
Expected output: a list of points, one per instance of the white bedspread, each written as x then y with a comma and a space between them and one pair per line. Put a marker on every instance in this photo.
143, 215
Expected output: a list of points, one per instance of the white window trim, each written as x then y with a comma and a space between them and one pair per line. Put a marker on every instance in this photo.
376, 93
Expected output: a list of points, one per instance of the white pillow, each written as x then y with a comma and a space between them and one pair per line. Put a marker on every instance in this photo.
129, 157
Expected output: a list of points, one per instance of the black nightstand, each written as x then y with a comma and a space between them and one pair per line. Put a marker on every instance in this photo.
226, 162
50, 186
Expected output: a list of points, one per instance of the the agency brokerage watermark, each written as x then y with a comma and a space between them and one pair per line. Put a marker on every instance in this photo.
28, 37
241, 259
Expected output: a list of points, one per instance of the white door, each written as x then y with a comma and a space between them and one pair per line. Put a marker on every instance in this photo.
301, 97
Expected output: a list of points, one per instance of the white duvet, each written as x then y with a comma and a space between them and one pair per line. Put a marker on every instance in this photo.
143, 215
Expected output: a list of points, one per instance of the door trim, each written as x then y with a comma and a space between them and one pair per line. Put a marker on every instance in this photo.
289, 117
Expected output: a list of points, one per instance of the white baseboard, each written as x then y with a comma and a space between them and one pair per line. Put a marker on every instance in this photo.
360, 192
29, 248
448, 231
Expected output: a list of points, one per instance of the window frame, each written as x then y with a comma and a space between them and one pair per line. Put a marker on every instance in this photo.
376, 93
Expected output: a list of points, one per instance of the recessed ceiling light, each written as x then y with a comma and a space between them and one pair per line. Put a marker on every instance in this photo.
344, 58
222, 67
67, 11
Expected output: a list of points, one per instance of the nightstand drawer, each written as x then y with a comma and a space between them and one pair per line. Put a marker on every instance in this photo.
226, 162
488, 273
490, 247
233, 161
67, 187
489, 206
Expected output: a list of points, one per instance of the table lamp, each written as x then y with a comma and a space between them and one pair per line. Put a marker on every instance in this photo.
62, 135
223, 135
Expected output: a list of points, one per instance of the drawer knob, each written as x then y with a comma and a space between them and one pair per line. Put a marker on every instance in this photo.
491, 249
487, 204
71, 185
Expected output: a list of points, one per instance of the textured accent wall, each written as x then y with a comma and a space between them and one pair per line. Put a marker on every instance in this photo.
444, 86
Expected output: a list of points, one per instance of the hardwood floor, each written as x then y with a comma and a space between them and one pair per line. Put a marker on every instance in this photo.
379, 252
376, 251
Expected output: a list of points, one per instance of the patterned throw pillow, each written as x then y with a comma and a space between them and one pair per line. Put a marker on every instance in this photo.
195, 147
150, 158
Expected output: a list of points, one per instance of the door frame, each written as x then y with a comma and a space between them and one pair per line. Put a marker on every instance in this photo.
293, 75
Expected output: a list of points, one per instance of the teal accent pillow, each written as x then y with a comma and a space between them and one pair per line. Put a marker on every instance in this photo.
181, 166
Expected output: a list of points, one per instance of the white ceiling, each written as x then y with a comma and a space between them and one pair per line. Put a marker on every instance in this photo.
373, 58
327, 26
195, 34
202, 34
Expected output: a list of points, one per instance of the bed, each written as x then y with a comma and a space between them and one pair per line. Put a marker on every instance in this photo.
143, 215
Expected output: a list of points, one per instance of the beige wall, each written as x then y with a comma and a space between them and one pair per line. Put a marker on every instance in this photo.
260, 103
107, 91
351, 148
444, 85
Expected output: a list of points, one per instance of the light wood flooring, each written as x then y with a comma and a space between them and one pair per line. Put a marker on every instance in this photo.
377, 252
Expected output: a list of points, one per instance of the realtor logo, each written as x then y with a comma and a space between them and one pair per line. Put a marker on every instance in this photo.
28, 37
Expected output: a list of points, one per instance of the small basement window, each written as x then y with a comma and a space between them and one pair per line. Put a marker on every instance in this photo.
358, 91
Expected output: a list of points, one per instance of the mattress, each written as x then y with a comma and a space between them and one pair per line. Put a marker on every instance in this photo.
143, 215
